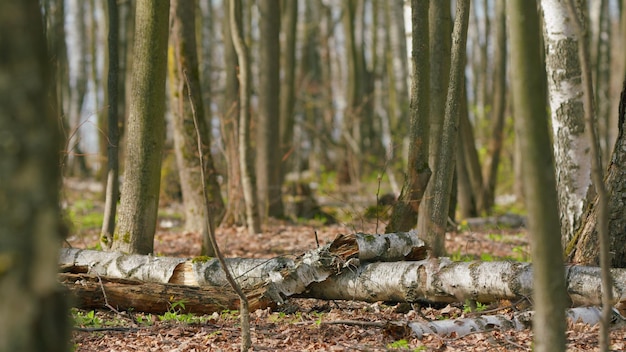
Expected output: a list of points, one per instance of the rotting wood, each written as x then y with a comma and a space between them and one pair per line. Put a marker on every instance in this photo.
88, 292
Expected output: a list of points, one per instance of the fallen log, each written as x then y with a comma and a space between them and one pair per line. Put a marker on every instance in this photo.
95, 292
463, 326
321, 276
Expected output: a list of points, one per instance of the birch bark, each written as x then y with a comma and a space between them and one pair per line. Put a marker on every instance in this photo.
571, 145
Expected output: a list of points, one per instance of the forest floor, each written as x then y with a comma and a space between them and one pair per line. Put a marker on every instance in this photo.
308, 324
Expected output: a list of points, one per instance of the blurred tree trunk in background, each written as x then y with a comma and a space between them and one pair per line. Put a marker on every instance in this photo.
76, 163
248, 177
357, 124
229, 123
287, 86
600, 50
97, 15
405, 210
498, 109
433, 229
185, 102
146, 131
54, 14
33, 308
112, 130
571, 144
467, 164
268, 146
205, 43
530, 107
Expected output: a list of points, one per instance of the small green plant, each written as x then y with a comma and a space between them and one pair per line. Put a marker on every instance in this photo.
400, 344
403, 345
86, 319
174, 314
229, 314
319, 316
467, 307
144, 320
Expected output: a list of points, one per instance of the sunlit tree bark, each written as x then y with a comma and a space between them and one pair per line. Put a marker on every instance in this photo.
571, 145
146, 131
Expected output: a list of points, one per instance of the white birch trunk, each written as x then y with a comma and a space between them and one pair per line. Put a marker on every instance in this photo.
523, 320
330, 274
571, 145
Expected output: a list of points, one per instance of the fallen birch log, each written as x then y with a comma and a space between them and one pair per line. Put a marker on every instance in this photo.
434, 280
463, 326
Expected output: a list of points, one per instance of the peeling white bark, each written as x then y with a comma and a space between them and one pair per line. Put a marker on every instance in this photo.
326, 276
571, 145
463, 326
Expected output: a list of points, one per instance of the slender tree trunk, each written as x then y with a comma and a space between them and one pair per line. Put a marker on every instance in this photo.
186, 99
528, 82
112, 173
405, 210
287, 86
76, 163
33, 307
268, 161
466, 160
490, 167
54, 11
146, 131
571, 145
248, 178
440, 32
229, 123
433, 229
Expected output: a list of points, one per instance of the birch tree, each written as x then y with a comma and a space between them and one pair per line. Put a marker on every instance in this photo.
530, 106
571, 145
34, 310
146, 131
